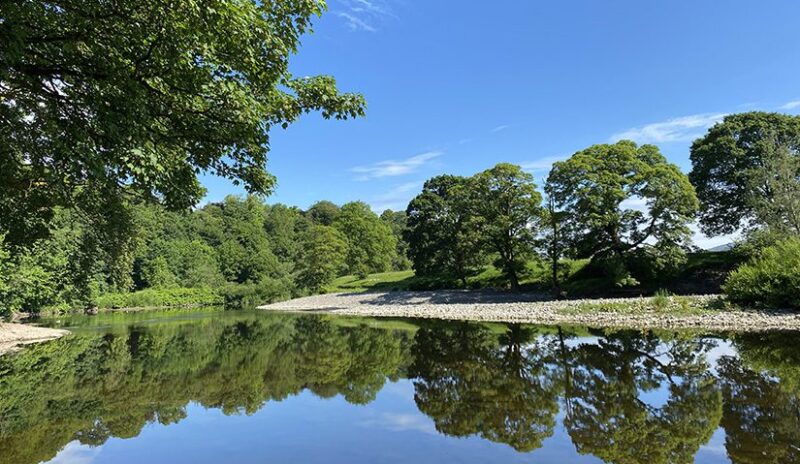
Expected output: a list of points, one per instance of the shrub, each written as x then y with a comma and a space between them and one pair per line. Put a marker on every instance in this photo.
247, 296
164, 297
661, 300
770, 279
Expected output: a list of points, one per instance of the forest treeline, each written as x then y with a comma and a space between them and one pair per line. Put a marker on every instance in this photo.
240, 252
621, 211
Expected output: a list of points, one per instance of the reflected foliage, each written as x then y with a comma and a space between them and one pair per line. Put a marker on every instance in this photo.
614, 408
762, 399
92, 387
470, 384
624, 397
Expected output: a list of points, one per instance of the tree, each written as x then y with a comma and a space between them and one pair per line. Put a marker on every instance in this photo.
554, 240
729, 161
441, 236
370, 244
323, 254
624, 198
607, 414
323, 212
775, 188
109, 101
508, 209
282, 224
398, 222
468, 383
245, 253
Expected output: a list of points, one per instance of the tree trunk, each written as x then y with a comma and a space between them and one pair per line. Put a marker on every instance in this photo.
512, 277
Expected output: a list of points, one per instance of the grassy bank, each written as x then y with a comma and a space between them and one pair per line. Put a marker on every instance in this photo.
703, 273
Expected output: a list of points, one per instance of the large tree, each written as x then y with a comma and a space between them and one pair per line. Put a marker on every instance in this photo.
105, 101
741, 165
623, 197
371, 246
441, 234
321, 258
508, 207
398, 222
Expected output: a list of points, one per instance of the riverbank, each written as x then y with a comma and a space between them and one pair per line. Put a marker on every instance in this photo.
676, 312
13, 336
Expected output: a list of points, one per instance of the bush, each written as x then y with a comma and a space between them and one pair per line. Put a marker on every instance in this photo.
166, 297
770, 279
248, 296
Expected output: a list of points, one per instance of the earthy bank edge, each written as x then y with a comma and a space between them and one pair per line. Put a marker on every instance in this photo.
13, 336
679, 313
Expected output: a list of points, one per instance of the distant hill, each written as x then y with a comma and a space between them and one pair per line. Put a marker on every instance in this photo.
721, 248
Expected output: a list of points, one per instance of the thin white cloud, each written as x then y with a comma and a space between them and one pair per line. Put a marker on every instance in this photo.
791, 105
499, 128
391, 168
397, 198
683, 129
363, 15
354, 22
400, 422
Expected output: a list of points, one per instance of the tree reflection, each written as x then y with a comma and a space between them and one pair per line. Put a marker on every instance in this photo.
625, 397
469, 384
762, 404
93, 387
632, 398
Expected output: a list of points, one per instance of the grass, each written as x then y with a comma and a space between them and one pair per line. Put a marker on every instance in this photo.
397, 280
536, 277
662, 302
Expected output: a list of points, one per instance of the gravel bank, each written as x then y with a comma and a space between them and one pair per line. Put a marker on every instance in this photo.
13, 336
538, 309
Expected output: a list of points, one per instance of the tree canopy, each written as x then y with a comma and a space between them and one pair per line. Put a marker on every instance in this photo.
104, 102
371, 243
622, 197
734, 167
508, 211
441, 234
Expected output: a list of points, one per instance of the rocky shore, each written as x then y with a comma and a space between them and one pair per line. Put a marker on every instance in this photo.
14, 336
696, 312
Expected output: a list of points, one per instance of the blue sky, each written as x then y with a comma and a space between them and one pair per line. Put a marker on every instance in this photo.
456, 87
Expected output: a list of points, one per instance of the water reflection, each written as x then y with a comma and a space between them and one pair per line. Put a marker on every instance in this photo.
623, 397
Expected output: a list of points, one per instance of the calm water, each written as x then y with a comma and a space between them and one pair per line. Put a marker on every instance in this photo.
246, 387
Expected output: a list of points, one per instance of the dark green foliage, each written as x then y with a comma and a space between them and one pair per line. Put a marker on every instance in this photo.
595, 188
160, 298
251, 294
772, 278
441, 236
371, 246
507, 212
398, 222
108, 101
731, 162
323, 255
323, 213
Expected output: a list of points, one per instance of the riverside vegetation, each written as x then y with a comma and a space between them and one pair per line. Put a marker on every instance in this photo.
586, 237
104, 139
